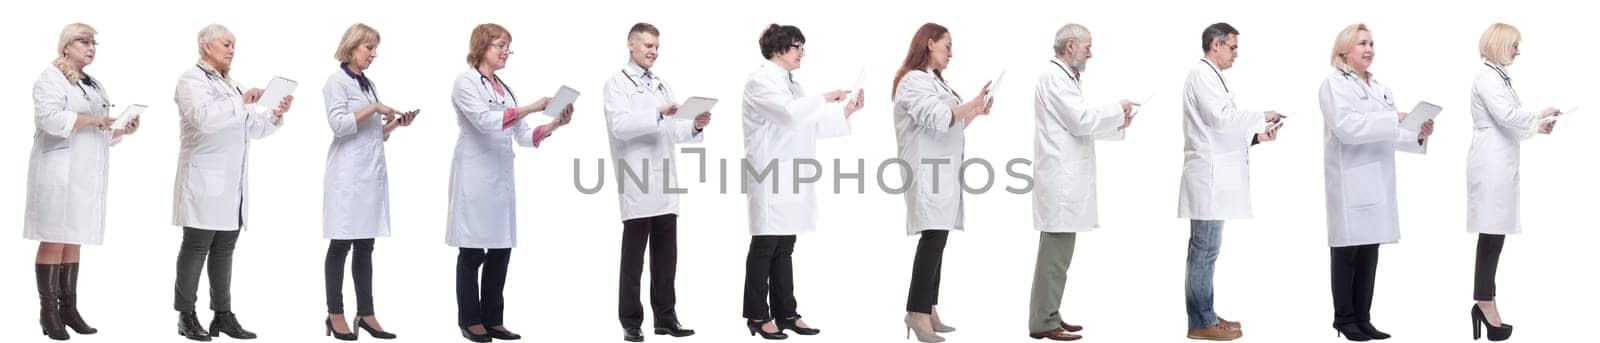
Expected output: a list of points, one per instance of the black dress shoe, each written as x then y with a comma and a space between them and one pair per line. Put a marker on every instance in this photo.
362, 324
475, 338
227, 323
1366, 327
789, 324
633, 335
189, 327
672, 328
502, 335
755, 328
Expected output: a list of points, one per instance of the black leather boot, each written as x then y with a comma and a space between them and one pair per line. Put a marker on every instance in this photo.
227, 323
189, 327
49, 279
69, 300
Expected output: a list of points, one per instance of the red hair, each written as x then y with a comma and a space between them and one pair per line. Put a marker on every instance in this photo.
918, 55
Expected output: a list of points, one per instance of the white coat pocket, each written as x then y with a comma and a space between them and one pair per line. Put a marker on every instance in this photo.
1230, 172
1364, 185
207, 181
1079, 188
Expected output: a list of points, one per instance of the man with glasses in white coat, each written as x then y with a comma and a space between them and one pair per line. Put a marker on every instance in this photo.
1217, 136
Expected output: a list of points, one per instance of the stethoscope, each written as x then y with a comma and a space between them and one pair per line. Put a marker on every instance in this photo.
215, 77
484, 80
97, 90
1503, 77
661, 87
1064, 70
1366, 91
1219, 75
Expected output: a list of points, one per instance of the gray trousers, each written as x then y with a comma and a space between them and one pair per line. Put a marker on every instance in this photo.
200, 245
1050, 279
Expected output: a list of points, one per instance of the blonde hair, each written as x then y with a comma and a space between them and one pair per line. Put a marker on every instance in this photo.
1497, 43
352, 38
482, 36
69, 34
1345, 42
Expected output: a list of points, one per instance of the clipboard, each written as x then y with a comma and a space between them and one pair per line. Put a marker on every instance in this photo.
277, 89
128, 115
988, 99
695, 106
559, 103
861, 78
1422, 113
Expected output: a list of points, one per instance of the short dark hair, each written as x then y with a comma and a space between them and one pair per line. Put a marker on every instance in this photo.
643, 28
1216, 32
777, 39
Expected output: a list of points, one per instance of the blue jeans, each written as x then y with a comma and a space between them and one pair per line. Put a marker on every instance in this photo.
1205, 242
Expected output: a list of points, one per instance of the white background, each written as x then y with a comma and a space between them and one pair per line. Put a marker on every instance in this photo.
1126, 282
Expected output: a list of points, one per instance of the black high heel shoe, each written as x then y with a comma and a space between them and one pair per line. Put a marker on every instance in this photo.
755, 327
1496, 333
348, 336
1352, 332
1367, 328
362, 324
789, 324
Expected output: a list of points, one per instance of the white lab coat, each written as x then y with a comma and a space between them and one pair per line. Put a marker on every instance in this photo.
355, 186
1362, 133
1499, 124
923, 109
1216, 148
67, 168
644, 142
1065, 128
483, 198
781, 125
211, 189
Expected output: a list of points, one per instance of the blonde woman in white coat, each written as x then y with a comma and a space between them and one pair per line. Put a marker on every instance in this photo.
1065, 202
929, 120
355, 191
67, 176
781, 126
482, 221
1499, 124
217, 120
1363, 132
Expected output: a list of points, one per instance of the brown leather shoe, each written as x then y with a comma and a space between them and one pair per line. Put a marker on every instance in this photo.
1056, 334
1232, 324
1219, 332
1070, 327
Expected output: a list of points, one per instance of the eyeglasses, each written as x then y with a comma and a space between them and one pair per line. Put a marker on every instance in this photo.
802, 47
504, 47
86, 41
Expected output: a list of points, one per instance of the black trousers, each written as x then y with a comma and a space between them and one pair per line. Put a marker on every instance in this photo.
926, 269
360, 270
1355, 271
485, 305
769, 263
200, 245
1489, 246
660, 233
